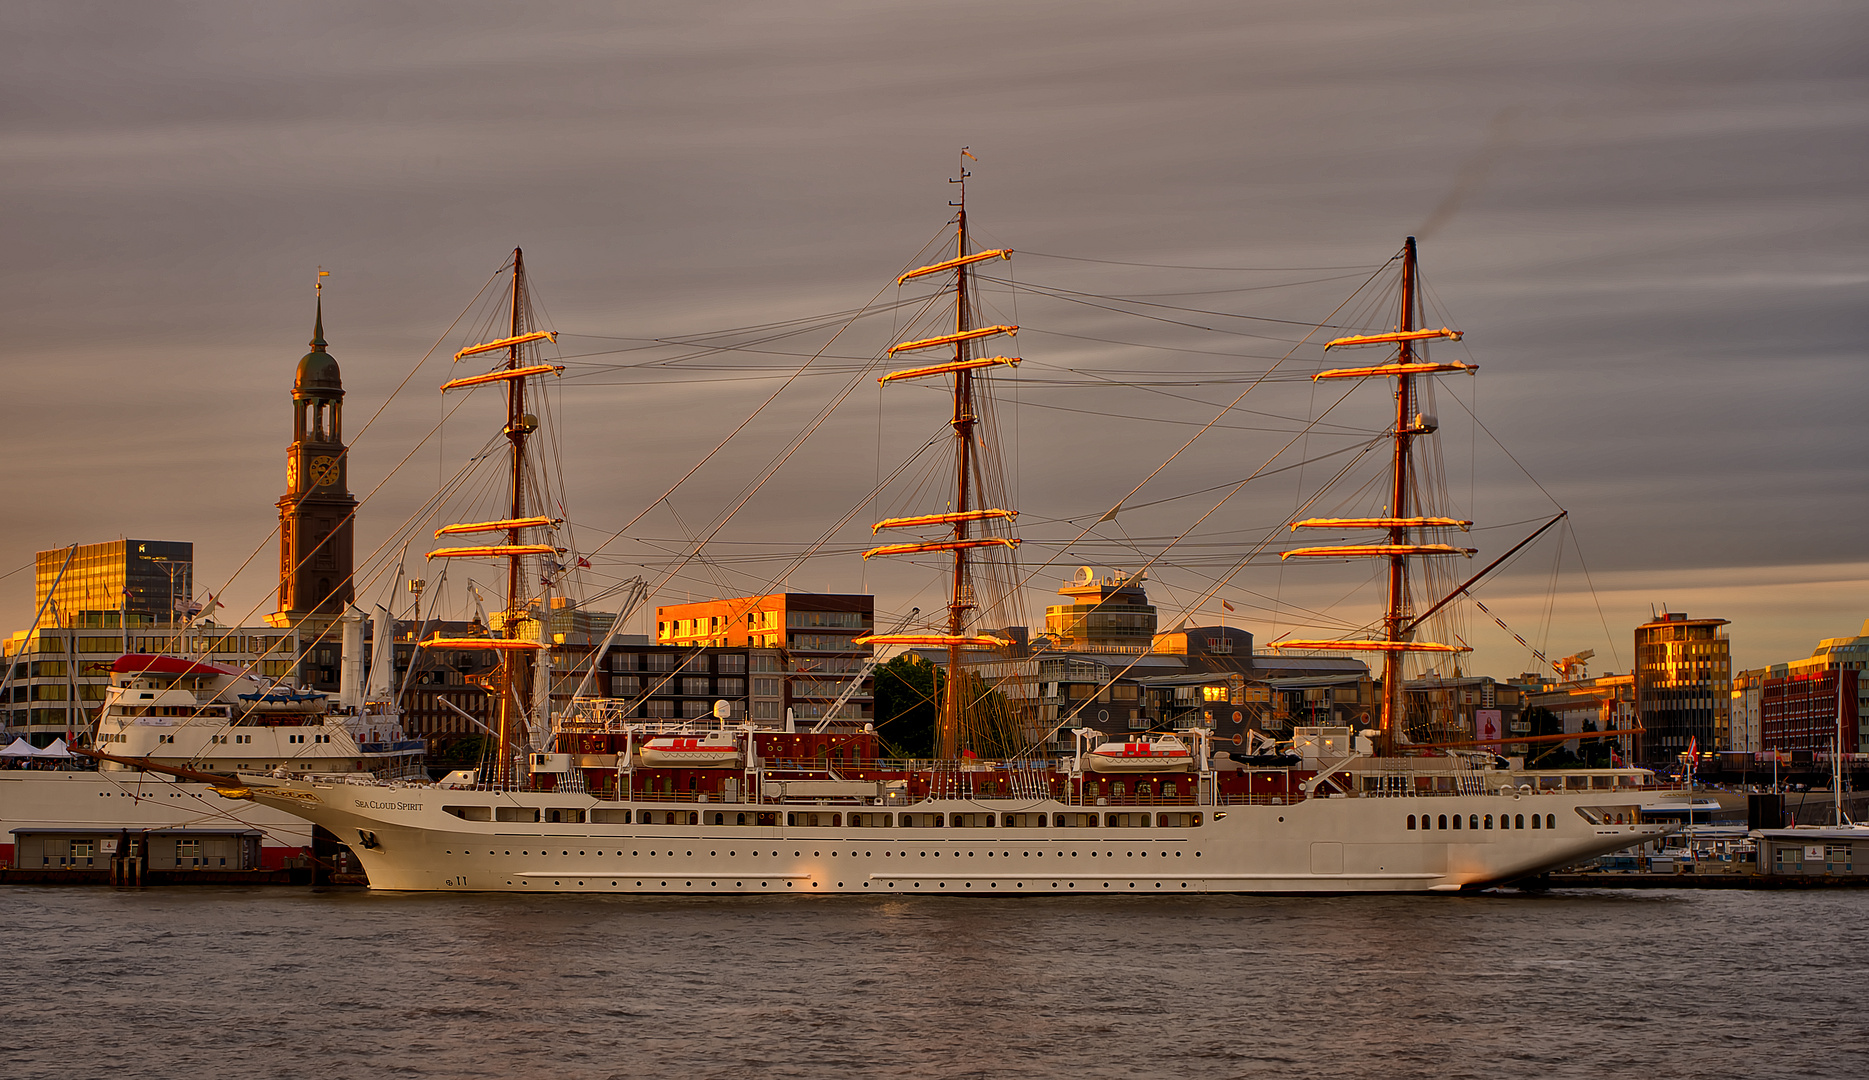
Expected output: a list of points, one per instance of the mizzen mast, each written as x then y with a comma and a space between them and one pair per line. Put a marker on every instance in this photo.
1398, 632
961, 521
509, 683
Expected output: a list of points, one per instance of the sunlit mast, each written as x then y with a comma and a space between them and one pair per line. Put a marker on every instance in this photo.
508, 683
961, 540
1398, 631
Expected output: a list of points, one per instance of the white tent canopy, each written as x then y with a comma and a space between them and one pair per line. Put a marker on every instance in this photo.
20, 748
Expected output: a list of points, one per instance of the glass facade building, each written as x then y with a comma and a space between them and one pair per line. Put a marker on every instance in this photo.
151, 578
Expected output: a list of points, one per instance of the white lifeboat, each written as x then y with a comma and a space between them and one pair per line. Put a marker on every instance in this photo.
1166, 754
714, 750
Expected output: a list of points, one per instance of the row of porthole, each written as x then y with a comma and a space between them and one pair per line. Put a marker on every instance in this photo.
1505, 821
887, 854
939, 885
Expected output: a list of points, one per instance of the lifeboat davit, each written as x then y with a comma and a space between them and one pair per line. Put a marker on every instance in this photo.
1167, 754
714, 750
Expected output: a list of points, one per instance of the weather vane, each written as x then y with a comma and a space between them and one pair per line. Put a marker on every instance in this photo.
322, 274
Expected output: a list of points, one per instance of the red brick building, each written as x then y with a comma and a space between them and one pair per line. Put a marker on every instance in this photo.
1800, 712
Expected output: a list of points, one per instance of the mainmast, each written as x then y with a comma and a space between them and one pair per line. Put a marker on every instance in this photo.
508, 683
960, 521
1401, 519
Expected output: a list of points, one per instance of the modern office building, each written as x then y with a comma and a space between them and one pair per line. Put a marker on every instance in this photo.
1105, 614
796, 648
1683, 687
96, 585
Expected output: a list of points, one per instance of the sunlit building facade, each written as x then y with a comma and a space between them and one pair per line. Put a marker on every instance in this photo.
95, 585
1683, 687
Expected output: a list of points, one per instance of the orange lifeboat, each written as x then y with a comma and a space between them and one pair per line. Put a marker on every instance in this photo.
1165, 754
713, 750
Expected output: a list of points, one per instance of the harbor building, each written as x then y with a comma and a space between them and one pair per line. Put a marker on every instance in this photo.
55, 677
1844, 654
1683, 687
317, 511
1603, 703
1747, 720
1809, 712
796, 648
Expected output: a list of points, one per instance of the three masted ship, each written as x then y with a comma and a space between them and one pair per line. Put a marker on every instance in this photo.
609, 803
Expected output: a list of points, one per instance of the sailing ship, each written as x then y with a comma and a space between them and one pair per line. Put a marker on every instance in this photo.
607, 802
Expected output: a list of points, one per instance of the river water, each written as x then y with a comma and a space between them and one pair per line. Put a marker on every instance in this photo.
194, 982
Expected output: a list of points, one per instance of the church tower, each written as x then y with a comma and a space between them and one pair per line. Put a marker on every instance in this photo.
317, 510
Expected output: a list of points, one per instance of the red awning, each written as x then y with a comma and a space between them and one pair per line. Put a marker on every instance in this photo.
165, 665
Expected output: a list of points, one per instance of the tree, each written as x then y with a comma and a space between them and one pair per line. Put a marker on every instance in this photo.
1551, 755
908, 701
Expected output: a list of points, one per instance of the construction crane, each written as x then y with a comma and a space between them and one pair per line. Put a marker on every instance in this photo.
863, 673
1572, 665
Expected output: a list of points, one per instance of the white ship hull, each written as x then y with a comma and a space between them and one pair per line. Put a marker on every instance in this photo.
33, 799
406, 840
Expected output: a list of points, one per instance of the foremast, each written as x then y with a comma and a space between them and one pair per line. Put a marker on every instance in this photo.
1403, 527
967, 522
519, 536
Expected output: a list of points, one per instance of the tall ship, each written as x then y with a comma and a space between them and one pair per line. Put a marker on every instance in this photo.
598, 800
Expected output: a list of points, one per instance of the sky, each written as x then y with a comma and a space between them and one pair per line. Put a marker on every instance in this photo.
1648, 220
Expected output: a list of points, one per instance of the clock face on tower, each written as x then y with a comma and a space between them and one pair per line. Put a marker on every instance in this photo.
322, 471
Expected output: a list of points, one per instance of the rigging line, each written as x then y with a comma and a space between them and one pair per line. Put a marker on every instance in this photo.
1240, 565
829, 318
1250, 288
1060, 293
1507, 452
364, 430
1142, 345
1105, 381
1230, 406
1156, 419
1237, 568
1363, 447
1172, 322
1173, 266
730, 435
1614, 655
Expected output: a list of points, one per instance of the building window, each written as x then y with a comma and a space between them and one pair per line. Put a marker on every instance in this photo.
730, 663
1411, 821
731, 688
694, 686
659, 708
